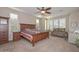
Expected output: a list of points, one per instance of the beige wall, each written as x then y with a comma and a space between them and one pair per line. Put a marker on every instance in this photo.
23, 18
73, 20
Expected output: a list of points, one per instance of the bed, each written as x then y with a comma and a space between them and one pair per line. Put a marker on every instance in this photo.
34, 35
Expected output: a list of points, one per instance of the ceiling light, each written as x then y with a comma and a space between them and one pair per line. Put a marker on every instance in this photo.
42, 12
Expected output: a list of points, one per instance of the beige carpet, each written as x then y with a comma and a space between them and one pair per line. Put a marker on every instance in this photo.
53, 44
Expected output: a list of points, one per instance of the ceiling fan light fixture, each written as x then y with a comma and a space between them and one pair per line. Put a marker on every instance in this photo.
42, 12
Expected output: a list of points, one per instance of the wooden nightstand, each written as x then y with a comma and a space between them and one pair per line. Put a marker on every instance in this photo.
16, 36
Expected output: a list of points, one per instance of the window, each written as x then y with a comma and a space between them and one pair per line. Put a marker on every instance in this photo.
14, 22
51, 25
56, 23
37, 23
60, 23
48, 24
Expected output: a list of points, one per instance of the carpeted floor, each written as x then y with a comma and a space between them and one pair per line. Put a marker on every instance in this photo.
53, 44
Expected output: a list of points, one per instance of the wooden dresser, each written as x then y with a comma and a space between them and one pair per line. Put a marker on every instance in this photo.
3, 30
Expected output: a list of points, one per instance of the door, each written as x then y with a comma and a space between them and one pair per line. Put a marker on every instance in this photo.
3, 30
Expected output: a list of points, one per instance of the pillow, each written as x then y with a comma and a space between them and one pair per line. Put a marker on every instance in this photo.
61, 29
55, 29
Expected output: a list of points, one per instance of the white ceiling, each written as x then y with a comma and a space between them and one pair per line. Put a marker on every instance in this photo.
55, 11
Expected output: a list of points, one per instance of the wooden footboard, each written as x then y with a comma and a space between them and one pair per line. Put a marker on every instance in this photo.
36, 37
40, 36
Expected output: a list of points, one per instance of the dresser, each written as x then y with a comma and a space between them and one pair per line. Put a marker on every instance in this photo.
3, 30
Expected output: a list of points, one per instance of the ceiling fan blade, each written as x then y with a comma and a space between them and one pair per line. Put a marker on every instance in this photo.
48, 12
38, 8
48, 8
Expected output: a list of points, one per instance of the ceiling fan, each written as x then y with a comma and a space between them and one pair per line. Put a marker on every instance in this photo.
44, 10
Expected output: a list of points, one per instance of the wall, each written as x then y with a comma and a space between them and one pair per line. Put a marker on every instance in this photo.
73, 25
23, 18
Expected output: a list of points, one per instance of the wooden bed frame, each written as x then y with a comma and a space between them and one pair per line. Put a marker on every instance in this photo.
28, 26
37, 37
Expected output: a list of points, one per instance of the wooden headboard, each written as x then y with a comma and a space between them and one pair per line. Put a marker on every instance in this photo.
28, 26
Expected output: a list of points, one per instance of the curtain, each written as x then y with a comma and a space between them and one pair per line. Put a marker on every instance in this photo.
14, 25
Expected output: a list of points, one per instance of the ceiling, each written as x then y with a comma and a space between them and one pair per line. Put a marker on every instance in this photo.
55, 11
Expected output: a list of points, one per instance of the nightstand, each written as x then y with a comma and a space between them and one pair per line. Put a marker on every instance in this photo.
16, 36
